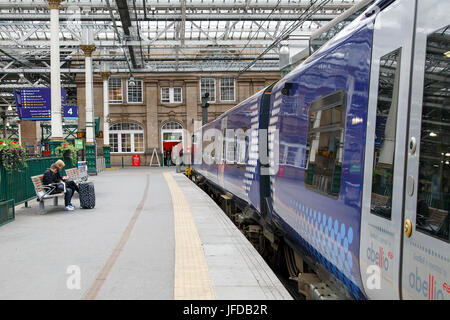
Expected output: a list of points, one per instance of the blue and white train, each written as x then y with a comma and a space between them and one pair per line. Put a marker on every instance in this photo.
353, 175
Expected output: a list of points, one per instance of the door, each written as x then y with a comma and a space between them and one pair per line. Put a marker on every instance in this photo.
426, 248
381, 221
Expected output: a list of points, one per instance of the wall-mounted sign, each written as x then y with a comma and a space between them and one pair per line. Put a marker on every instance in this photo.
78, 144
70, 112
35, 104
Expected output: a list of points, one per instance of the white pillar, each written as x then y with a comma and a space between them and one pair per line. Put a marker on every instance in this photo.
105, 77
56, 120
90, 134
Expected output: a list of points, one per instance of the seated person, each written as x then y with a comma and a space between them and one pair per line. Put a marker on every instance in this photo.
52, 177
71, 184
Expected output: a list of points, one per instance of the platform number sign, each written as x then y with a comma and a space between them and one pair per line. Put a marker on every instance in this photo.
70, 112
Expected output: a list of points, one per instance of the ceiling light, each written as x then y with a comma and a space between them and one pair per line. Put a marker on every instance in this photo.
432, 134
447, 154
9, 108
447, 54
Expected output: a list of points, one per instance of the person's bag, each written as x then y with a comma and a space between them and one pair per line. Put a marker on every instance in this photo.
87, 195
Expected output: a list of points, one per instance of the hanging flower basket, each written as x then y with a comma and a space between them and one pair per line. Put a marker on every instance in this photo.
12, 155
67, 151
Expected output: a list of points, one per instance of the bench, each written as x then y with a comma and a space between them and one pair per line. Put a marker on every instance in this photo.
43, 192
74, 175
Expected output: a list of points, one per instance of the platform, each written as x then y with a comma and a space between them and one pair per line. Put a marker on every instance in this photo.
152, 235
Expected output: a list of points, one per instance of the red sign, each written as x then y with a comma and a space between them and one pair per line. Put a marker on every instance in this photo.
136, 160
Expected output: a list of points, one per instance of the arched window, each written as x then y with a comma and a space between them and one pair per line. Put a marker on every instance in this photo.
171, 134
126, 137
172, 126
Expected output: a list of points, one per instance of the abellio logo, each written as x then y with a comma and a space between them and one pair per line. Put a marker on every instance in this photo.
379, 257
426, 287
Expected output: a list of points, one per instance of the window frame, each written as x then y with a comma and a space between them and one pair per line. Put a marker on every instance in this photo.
431, 233
221, 87
171, 95
142, 91
131, 132
376, 161
110, 101
210, 97
320, 104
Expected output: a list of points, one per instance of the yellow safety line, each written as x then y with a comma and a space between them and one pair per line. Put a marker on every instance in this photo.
192, 281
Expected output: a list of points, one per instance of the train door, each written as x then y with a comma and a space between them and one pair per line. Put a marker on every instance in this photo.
381, 221
426, 248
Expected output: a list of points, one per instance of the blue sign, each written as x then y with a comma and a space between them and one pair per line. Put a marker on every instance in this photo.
18, 103
35, 103
70, 112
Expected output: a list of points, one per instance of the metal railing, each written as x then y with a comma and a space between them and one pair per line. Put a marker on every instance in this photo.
100, 164
17, 184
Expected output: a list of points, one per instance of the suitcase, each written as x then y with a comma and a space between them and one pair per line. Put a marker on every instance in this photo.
87, 195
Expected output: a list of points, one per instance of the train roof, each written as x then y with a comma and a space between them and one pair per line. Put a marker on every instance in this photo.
365, 18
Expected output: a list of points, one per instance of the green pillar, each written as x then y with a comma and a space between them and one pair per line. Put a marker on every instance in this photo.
91, 157
107, 156
53, 145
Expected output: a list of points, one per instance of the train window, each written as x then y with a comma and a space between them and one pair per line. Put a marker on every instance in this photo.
223, 140
433, 201
230, 142
385, 131
241, 146
325, 143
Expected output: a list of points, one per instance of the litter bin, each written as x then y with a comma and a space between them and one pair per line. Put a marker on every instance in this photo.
136, 159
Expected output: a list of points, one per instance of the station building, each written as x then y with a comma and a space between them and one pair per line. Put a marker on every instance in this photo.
159, 109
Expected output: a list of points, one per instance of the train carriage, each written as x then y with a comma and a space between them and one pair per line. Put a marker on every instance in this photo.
357, 182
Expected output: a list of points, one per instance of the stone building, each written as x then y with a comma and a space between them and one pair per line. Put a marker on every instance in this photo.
160, 110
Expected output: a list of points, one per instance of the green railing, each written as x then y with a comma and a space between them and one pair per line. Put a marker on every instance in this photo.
17, 185
6, 211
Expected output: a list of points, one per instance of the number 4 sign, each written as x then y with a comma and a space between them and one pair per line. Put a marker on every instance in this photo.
70, 112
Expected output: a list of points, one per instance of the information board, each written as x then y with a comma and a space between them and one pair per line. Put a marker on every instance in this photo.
35, 104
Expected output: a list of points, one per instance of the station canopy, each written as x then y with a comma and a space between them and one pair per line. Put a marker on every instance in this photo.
153, 36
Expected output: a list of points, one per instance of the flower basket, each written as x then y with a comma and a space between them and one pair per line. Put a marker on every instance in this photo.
12, 155
67, 151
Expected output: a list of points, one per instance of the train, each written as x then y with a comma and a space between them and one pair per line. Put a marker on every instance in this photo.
341, 169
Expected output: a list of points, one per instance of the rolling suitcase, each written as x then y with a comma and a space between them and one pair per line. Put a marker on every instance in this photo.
87, 195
